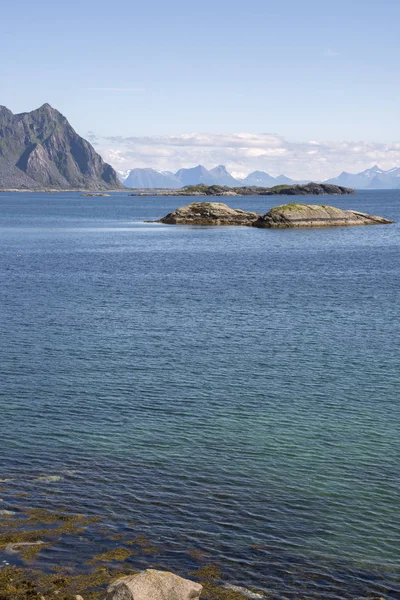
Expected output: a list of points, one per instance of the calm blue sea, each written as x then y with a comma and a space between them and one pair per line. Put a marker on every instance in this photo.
233, 391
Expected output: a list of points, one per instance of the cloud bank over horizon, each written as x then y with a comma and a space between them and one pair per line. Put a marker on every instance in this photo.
242, 153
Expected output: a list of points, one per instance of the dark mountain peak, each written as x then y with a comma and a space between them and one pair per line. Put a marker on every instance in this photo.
4, 109
5, 115
40, 149
45, 108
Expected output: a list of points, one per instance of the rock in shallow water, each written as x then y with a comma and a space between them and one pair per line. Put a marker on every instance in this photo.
287, 215
315, 215
153, 585
209, 213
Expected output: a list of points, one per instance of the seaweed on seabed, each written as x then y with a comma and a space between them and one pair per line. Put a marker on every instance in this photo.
24, 584
208, 575
17, 533
114, 555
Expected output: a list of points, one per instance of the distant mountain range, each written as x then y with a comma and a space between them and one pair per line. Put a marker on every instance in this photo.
40, 150
374, 178
370, 179
150, 178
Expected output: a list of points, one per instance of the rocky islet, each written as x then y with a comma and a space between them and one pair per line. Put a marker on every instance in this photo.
285, 216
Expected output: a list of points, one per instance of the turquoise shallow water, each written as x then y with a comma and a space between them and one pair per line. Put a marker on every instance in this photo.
230, 390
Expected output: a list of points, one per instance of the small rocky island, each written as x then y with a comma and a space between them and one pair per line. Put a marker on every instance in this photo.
287, 215
308, 189
209, 213
95, 195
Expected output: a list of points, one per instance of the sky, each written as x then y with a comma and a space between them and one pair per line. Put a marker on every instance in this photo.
304, 87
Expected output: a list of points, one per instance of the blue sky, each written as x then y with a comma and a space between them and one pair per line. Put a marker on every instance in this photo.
301, 70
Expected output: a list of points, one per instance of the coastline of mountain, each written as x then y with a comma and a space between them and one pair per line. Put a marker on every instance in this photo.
39, 150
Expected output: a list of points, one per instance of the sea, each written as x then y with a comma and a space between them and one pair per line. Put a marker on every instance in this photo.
224, 392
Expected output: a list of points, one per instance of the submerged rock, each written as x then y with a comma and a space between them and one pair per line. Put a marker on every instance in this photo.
154, 585
244, 591
315, 215
209, 213
95, 195
11, 548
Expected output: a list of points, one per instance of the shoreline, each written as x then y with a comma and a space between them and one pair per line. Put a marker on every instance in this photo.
33, 539
26, 536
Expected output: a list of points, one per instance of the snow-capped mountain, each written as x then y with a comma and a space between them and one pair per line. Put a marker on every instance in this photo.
374, 178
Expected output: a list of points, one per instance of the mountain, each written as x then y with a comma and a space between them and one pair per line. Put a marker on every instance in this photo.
259, 178
386, 180
283, 180
40, 149
150, 178
195, 176
373, 178
222, 177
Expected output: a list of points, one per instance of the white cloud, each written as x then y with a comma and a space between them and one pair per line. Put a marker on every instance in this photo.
245, 152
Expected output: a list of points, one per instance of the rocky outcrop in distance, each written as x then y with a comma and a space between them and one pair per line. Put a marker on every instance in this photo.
285, 216
309, 189
154, 585
40, 150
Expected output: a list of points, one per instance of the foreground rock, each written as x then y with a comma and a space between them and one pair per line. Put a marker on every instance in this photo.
154, 585
287, 215
209, 213
315, 215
